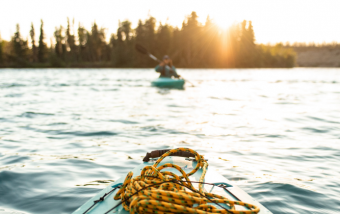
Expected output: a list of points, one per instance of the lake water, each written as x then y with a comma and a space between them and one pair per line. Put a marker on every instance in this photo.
66, 133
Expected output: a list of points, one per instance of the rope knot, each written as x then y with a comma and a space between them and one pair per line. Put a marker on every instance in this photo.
100, 199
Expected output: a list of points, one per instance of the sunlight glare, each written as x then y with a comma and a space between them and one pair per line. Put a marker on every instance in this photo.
273, 21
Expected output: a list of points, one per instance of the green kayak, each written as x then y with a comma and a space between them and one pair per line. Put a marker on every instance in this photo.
164, 82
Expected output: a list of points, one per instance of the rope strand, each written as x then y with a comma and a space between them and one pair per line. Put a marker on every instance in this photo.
154, 191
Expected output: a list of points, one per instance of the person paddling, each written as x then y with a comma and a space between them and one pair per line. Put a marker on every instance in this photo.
166, 68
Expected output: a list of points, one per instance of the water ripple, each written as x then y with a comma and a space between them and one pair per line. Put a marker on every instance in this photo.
66, 133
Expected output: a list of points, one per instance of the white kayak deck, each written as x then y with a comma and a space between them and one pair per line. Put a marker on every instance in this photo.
233, 192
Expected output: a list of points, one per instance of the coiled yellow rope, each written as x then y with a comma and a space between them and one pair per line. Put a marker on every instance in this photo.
154, 191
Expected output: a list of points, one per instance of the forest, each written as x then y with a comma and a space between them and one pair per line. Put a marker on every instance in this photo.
194, 45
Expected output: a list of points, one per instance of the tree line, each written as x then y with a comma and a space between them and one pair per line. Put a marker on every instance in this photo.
193, 45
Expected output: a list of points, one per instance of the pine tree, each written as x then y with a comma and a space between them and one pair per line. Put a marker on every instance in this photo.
177, 46
19, 46
128, 47
34, 48
191, 36
119, 58
112, 45
164, 39
232, 39
251, 48
1, 51
96, 43
57, 47
211, 45
251, 34
126, 28
242, 55
140, 39
59, 40
149, 30
70, 41
42, 45
82, 37
140, 32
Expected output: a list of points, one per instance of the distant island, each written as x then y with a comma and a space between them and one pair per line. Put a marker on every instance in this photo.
194, 45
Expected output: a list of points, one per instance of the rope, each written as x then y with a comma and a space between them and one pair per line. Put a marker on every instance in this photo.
101, 199
154, 191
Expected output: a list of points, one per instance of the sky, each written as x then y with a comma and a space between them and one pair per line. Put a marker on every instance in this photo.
273, 20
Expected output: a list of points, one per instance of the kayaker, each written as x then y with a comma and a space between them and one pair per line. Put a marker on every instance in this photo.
166, 68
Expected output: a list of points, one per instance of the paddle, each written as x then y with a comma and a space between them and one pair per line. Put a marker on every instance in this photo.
143, 50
